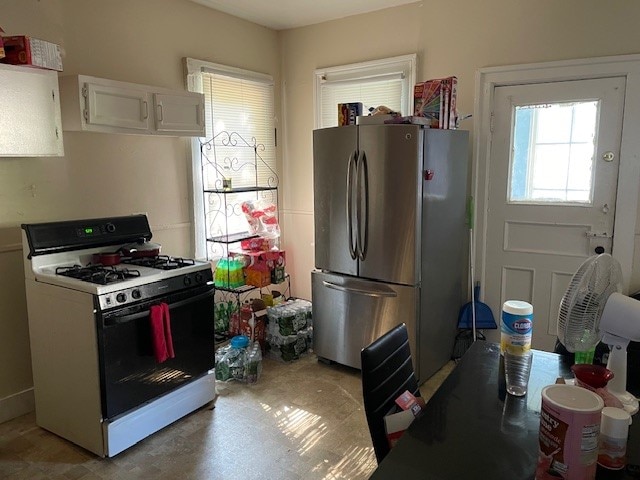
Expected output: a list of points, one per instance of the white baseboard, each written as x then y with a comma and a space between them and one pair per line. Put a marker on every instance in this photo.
17, 405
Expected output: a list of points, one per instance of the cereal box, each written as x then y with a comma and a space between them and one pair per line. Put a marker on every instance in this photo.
436, 100
348, 113
429, 102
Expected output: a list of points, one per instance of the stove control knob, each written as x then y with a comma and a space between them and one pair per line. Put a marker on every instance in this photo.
136, 294
199, 277
187, 281
121, 297
110, 227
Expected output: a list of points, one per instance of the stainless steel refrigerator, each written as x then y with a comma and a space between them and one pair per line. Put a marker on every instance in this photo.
390, 239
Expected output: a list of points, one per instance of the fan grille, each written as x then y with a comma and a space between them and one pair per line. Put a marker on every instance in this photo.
583, 302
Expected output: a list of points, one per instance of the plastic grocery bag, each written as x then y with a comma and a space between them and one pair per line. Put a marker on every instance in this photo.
262, 217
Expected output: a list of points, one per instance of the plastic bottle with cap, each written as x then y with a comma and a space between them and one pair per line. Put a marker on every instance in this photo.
612, 444
515, 345
237, 357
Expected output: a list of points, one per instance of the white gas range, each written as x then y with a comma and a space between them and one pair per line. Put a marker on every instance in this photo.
98, 379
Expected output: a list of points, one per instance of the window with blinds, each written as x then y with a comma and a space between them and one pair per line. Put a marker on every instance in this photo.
238, 115
238, 150
387, 82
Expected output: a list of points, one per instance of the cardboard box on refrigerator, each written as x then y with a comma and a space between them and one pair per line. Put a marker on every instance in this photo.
31, 52
437, 101
429, 102
348, 113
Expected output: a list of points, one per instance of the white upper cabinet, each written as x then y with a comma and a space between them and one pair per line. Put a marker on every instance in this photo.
116, 107
99, 105
179, 112
30, 124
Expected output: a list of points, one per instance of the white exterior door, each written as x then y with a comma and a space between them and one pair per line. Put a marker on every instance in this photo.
552, 181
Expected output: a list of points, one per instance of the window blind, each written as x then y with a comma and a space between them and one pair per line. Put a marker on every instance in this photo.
246, 108
239, 115
370, 93
387, 81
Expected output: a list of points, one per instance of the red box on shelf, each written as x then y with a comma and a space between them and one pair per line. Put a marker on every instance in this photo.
255, 244
265, 260
255, 334
31, 52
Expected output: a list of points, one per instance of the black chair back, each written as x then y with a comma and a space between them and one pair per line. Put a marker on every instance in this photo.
387, 372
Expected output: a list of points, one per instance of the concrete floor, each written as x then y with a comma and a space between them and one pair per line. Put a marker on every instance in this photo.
302, 420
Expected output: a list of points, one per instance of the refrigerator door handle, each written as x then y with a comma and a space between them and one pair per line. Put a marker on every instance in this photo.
351, 166
358, 203
359, 291
363, 196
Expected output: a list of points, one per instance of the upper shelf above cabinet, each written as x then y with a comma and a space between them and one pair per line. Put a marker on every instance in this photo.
98, 105
29, 113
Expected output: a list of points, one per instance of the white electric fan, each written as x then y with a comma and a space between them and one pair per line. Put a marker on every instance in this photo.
592, 309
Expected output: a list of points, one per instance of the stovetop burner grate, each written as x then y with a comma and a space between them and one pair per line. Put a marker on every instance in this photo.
162, 262
100, 274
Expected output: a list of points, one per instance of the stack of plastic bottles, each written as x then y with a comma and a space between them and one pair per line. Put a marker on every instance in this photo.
239, 361
223, 312
229, 272
289, 329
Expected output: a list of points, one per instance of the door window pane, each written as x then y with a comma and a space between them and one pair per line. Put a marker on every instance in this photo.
553, 153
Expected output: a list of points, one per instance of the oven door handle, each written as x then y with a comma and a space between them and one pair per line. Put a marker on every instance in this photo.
118, 320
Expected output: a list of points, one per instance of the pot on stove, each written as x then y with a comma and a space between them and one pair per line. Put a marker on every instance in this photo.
107, 258
141, 248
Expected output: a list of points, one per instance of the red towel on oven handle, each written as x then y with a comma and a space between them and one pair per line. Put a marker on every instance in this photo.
157, 323
168, 338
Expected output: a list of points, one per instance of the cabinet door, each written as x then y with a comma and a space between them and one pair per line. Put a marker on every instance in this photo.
30, 122
179, 114
117, 107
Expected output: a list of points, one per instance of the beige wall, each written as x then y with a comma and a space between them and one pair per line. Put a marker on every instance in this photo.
451, 38
141, 41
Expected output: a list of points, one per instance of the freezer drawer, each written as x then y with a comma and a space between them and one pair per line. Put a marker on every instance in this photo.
350, 313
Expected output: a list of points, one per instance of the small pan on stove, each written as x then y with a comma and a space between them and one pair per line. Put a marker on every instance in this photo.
141, 248
107, 258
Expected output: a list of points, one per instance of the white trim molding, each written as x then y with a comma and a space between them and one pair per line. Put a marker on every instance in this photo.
628, 66
16, 405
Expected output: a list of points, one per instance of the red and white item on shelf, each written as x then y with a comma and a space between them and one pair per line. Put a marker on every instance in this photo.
31, 52
262, 217
261, 264
256, 244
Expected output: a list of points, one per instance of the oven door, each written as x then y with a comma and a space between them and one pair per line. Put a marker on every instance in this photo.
130, 375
